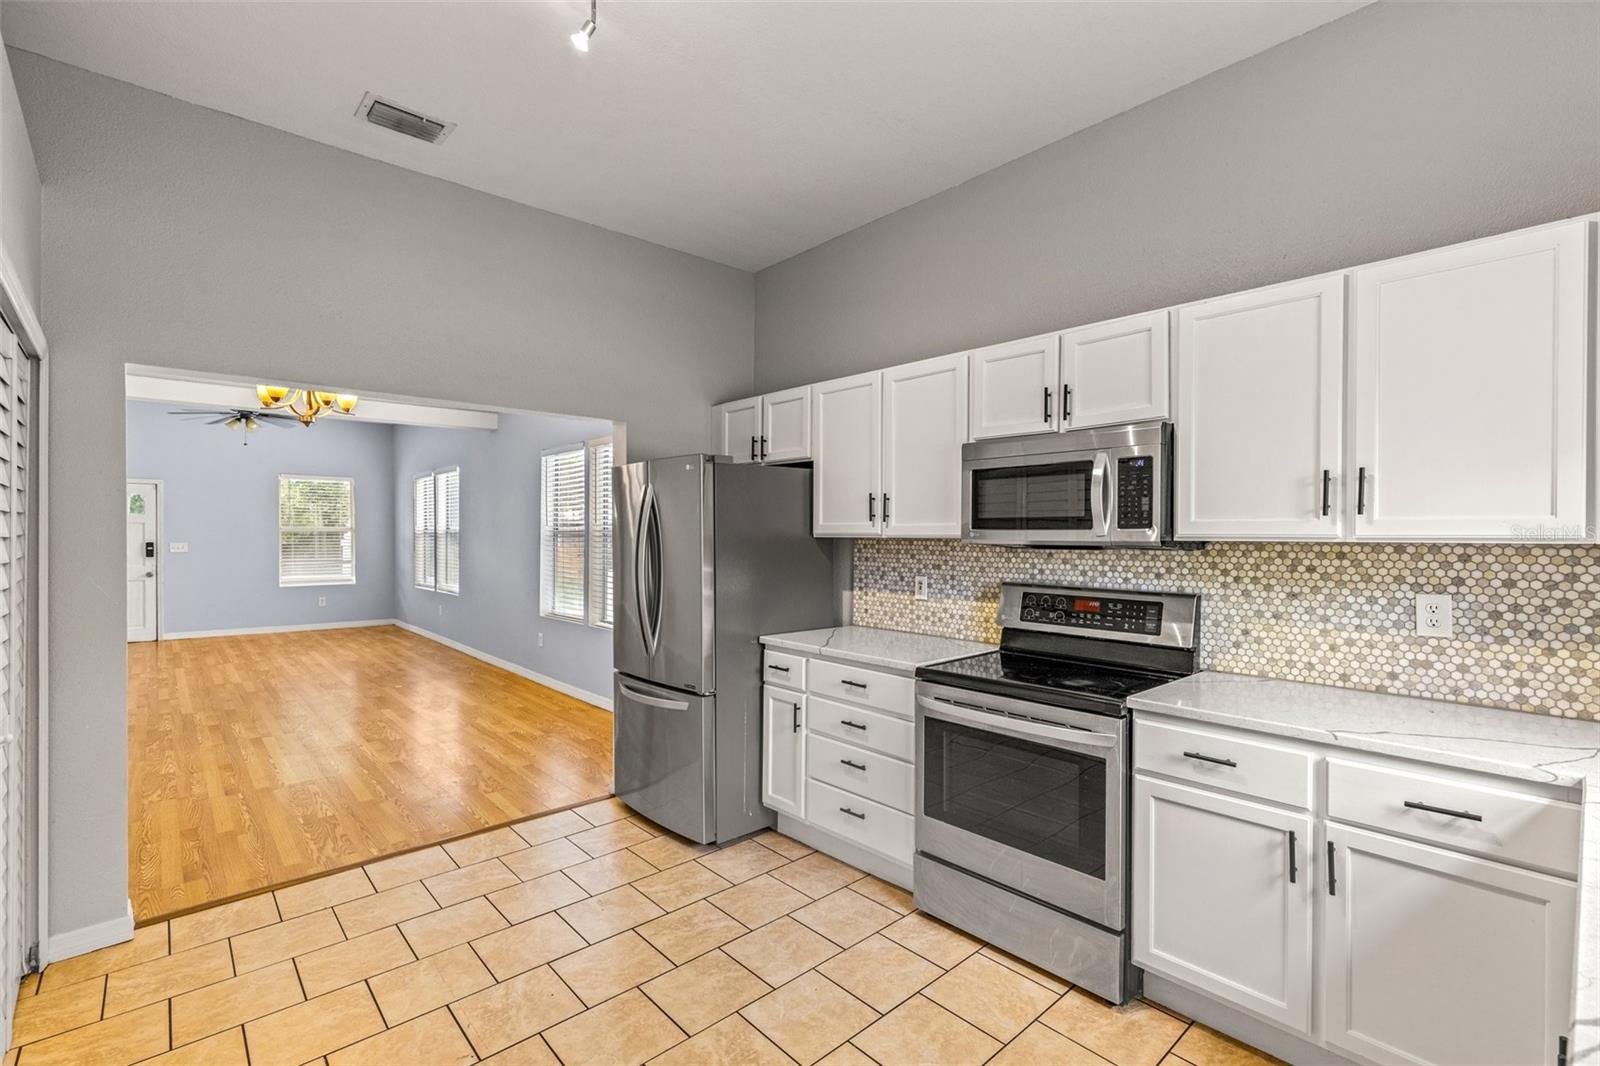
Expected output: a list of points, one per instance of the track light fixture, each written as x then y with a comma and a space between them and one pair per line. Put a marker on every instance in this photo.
580, 40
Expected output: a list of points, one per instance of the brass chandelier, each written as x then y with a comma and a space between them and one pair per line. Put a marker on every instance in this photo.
305, 404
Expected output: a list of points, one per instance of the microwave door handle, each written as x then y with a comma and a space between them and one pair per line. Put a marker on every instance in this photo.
1055, 736
1099, 506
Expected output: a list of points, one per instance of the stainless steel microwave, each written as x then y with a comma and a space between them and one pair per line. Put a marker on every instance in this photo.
1083, 488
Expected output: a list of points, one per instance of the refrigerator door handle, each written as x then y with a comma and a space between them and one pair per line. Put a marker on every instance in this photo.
647, 570
651, 701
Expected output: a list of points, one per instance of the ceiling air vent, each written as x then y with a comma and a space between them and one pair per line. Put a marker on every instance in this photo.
391, 116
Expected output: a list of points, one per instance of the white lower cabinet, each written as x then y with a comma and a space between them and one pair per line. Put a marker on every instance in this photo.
1427, 954
1222, 897
842, 762
783, 750
1430, 956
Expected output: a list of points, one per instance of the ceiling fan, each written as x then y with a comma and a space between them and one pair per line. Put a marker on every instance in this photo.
232, 418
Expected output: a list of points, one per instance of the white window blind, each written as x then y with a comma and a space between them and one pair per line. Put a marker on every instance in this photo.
447, 489
422, 532
600, 532
316, 530
563, 534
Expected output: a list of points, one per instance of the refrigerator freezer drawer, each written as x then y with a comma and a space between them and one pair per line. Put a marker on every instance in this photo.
664, 750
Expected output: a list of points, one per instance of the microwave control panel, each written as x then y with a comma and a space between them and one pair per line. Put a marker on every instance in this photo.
1136, 480
1101, 612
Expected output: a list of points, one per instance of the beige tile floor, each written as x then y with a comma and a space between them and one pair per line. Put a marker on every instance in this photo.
585, 936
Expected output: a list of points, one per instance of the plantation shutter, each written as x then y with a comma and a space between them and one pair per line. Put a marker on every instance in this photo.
447, 491
563, 534
422, 531
15, 608
600, 532
316, 530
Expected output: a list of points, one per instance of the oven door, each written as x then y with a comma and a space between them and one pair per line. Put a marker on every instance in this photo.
1027, 795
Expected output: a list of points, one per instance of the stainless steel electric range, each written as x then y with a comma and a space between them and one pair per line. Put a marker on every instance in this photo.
1023, 771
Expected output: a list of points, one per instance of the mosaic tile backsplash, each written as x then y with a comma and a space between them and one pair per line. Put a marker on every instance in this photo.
1332, 614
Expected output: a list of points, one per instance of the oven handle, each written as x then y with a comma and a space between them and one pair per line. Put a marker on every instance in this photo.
1098, 507
1056, 736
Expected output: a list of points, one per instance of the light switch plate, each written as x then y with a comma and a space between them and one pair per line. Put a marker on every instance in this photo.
1436, 616
179, 547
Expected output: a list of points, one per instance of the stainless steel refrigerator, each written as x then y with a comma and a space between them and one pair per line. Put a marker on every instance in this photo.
710, 555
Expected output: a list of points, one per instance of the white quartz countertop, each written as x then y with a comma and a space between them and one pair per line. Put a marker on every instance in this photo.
888, 649
1531, 747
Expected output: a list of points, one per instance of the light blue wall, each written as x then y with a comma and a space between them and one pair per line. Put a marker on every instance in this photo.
498, 609
222, 498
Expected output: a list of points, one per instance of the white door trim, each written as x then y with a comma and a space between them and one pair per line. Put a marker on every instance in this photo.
159, 558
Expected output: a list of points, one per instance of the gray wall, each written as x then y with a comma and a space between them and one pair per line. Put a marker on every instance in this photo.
221, 497
1395, 129
19, 190
497, 610
180, 237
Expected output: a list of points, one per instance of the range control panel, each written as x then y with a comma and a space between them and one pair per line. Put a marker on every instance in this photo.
1136, 480
1098, 612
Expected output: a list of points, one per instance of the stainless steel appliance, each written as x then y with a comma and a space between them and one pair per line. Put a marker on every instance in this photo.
1106, 487
1023, 775
709, 555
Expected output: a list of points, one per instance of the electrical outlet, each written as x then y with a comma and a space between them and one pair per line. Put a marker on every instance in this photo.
322, 601
441, 610
1436, 616
178, 547
921, 587
541, 640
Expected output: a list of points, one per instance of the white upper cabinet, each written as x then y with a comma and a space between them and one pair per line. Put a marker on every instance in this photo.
924, 426
1471, 389
786, 421
846, 439
1015, 388
1259, 414
1115, 371
736, 429
1435, 957
1222, 894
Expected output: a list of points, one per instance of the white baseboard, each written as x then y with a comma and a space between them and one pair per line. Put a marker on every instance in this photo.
89, 938
195, 634
505, 664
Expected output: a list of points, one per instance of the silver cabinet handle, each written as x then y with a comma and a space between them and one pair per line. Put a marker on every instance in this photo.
652, 701
1210, 758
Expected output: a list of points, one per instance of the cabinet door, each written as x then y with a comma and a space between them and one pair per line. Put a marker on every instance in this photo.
846, 442
1115, 371
786, 419
1222, 897
1015, 387
1471, 390
783, 751
1260, 413
1430, 956
736, 429
924, 426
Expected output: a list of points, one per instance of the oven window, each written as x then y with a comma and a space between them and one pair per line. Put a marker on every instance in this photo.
1047, 496
1042, 800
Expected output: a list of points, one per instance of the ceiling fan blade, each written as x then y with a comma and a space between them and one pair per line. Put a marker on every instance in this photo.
224, 418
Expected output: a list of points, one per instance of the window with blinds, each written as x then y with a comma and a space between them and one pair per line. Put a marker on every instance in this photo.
422, 532
599, 538
316, 530
563, 534
436, 531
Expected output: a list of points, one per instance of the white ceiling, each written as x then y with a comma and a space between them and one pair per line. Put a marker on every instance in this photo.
744, 131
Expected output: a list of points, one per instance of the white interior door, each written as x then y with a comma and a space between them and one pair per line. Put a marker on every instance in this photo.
142, 548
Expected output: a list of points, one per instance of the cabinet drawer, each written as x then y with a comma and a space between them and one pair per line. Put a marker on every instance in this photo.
866, 773
869, 729
1221, 760
1468, 814
863, 821
887, 692
783, 668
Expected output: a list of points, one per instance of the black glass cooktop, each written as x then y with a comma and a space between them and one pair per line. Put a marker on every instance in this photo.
1012, 673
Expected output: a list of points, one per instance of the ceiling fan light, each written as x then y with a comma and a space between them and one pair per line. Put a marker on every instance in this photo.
251, 425
232, 422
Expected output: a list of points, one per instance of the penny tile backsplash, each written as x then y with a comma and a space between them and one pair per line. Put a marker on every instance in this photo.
1332, 614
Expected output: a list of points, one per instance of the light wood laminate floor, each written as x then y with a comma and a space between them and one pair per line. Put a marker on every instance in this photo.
586, 936
260, 760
